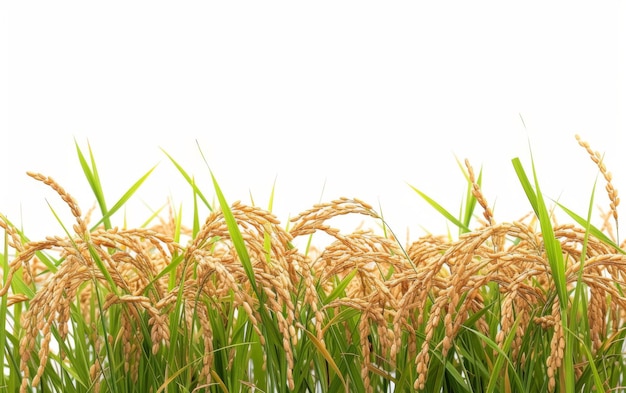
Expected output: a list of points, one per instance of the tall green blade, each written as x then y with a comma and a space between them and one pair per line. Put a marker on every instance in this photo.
555, 260
441, 210
91, 173
189, 180
127, 195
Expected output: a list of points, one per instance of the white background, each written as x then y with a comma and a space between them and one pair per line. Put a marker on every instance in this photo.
326, 98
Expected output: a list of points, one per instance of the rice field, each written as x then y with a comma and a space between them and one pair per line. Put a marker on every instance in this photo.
229, 303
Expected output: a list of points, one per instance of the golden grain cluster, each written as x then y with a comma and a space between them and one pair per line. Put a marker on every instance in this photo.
402, 292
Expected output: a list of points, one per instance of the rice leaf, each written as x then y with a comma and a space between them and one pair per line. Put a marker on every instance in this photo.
555, 259
441, 210
502, 357
122, 201
91, 173
470, 200
189, 180
321, 348
593, 230
236, 237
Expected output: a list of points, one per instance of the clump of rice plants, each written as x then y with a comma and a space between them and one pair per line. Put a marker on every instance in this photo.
230, 304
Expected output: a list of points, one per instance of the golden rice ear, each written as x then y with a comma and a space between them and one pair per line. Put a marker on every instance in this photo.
80, 228
557, 347
15, 242
597, 158
312, 220
478, 194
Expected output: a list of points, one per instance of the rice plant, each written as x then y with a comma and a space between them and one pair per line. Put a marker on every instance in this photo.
230, 304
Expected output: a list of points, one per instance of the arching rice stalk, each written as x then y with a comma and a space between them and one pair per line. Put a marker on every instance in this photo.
374, 259
276, 268
473, 263
376, 262
130, 258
